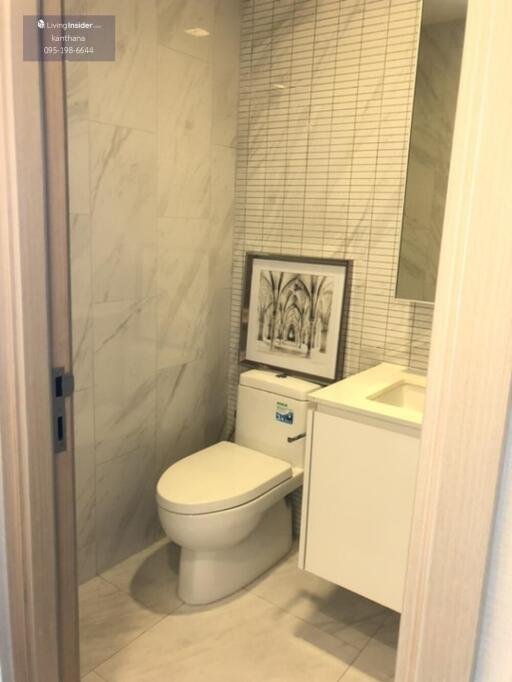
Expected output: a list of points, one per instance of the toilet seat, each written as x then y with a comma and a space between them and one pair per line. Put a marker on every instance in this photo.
218, 478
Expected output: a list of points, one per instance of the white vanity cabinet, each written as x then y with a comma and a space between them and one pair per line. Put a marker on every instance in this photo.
359, 486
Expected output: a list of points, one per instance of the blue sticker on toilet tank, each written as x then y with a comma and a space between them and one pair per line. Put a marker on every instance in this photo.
283, 413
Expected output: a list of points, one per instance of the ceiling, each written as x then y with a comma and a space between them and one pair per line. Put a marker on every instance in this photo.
443, 10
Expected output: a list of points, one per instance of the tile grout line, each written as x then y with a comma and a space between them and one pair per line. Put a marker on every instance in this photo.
140, 605
313, 625
352, 665
125, 646
137, 601
382, 626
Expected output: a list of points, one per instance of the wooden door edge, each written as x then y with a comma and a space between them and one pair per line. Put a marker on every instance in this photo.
56, 175
25, 407
470, 373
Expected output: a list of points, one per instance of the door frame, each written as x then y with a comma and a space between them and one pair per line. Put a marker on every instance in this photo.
25, 416
470, 370
59, 278
469, 375
41, 641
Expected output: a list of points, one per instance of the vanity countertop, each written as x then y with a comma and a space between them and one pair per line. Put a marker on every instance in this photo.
389, 392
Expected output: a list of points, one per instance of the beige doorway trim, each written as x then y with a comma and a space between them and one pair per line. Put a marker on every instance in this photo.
38, 486
468, 383
470, 369
25, 417
57, 212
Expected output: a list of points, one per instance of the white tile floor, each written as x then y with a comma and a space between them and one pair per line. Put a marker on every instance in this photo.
288, 626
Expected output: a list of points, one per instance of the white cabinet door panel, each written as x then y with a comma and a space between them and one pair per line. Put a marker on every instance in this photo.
359, 506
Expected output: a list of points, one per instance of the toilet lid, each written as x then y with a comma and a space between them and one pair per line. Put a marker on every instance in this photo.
220, 477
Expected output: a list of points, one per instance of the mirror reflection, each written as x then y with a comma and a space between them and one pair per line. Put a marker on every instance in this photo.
435, 101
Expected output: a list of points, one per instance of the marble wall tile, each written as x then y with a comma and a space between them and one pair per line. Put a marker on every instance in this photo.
77, 90
184, 189
184, 100
192, 234
92, 677
78, 165
83, 408
150, 298
176, 17
222, 216
75, 7
81, 300
182, 290
123, 92
124, 378
83, 412
85, 493
184, 127
83, 345
226, 48
181, 412
80, 255
86, 562
126, 511
123, 212
217, 364
77, 107
134, 19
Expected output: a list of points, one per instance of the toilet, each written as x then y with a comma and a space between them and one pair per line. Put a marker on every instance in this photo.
225, 505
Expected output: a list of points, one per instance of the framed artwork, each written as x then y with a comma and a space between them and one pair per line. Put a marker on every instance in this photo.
294, 314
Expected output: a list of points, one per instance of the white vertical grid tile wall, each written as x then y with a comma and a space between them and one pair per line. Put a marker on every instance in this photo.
326, 90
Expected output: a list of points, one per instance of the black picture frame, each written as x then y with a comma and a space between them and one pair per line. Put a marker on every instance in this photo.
250, 259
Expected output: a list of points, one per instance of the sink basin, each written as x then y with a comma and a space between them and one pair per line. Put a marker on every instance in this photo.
402, 394
387, 392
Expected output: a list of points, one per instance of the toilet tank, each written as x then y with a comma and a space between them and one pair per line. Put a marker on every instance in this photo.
272, 407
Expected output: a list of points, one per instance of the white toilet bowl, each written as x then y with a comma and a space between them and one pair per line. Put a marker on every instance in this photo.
225, 505
225, 549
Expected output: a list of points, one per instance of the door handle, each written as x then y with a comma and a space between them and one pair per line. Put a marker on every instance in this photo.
292, 439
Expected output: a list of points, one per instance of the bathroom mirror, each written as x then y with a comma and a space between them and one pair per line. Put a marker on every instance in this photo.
435, 100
